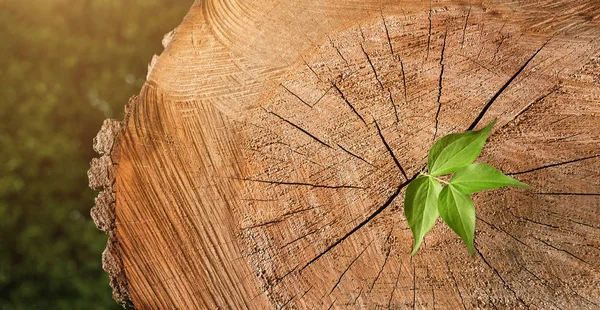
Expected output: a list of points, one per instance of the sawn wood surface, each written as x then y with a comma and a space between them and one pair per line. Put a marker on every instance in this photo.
264, 162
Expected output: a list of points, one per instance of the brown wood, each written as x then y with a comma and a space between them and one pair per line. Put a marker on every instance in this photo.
262, 165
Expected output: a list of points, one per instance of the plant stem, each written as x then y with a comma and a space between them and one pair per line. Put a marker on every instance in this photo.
437, 179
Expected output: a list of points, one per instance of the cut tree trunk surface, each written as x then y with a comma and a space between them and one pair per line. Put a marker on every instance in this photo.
264, 163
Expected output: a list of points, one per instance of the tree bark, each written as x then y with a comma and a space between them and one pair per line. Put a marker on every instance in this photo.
263, 164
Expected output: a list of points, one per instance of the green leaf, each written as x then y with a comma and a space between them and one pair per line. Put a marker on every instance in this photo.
421, 207
458, 211
456, 150
477, 177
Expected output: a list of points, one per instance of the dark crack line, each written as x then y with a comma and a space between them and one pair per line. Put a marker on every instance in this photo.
440, 86
574, 291
462, 41
312, 70
308, 290
276, 281
583, 224
387, 256
564, 138
287, 302
534, 275
393, 105
536, 222
279, 279
308, 234
331, 306
387, 33
403, 79
531, 104
455, 284
357, 297
291, 92
387, 146
504, 231
348, 103
362, 34
349, 266
566, 285
498, 47
363, 223
372, 66
338, 51
394, 290
569, 194
559, 120
429, 32
563, 250
301, 129
500, 277
356, 156
554, 165
322, 96
478, 63
264, 224
305, 184
503, 88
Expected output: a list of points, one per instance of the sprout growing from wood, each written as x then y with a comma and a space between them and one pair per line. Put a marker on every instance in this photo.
426, 198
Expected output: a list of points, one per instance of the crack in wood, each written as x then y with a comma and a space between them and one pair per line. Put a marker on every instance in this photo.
568, 194
394, 289
562, 250
387, 33
393, 105
357, 297
403, 80
387, 256
301, 129
301, 100
331, 306
440, 86
455, 284
477, 63
495, 271
554, 165
356, 156
312, 70
504, 231
503, 88
349, 266
305, 184
462, 41
348, 103
536, 222
372, 66
283, 218
498, 47
389, 149
322, 96
390, 199
528, 106
309, 234
429, 31
338, 51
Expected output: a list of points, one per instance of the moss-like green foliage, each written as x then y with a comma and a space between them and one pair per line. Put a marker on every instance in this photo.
65, 65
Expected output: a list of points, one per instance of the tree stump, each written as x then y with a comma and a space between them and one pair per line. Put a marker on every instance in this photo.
264, 163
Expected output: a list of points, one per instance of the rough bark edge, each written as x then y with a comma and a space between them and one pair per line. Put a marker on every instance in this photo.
102, 176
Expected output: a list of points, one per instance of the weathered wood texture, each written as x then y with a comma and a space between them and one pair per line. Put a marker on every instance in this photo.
264, 161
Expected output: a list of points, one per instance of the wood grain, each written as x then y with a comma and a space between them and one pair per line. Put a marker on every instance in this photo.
264, 162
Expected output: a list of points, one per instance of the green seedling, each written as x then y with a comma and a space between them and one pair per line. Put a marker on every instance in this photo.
429, 196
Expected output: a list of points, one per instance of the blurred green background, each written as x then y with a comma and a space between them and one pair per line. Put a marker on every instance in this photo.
65, 66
